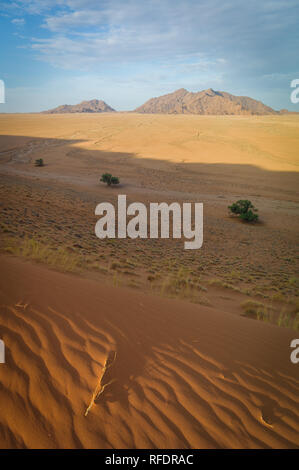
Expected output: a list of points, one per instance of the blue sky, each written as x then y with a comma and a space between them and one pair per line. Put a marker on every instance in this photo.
126, 51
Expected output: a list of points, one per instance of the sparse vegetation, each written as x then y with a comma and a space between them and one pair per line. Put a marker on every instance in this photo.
30, 248
262, 312
109, 179
251, 307
164, 268
287, 320
180, 285
245, 210
227, 285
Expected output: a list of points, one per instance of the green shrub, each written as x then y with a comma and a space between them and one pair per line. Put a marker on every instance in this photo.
249, 216
109, 179
39, 162
245, 210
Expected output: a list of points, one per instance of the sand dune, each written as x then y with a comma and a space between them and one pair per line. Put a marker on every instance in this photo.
184, 375
91, 365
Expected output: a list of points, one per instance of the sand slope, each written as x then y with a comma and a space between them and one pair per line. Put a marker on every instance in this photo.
184, 375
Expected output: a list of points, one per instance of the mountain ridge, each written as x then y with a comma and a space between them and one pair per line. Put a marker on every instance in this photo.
182, 101
92, 106
206, 101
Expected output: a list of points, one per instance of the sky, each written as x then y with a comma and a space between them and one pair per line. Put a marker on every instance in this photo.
124, 52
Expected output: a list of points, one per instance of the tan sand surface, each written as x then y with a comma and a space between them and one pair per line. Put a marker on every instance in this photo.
184, 375
186, 367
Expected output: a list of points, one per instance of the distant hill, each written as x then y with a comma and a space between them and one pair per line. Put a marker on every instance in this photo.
181, 102
93, 106
204, 102
286, 111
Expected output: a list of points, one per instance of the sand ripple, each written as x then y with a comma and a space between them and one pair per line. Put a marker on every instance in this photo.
184, 376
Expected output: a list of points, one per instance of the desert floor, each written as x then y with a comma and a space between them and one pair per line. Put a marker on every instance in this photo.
197, 342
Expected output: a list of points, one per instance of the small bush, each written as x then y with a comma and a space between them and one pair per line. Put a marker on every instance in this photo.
109, 179
39, 162
245, 210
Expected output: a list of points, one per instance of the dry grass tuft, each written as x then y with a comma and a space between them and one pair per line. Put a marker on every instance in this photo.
252, 307
100, 385
30, 248
259, 311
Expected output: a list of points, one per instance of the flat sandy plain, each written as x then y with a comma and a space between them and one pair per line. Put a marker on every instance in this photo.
197, 342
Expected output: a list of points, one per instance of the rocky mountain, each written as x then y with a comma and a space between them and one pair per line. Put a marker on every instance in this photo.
204, 102
93, 106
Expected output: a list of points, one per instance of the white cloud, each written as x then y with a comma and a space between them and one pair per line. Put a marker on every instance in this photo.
84, 33
158, 45
18, 21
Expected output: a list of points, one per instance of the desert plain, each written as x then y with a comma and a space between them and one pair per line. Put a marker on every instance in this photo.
140, 343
